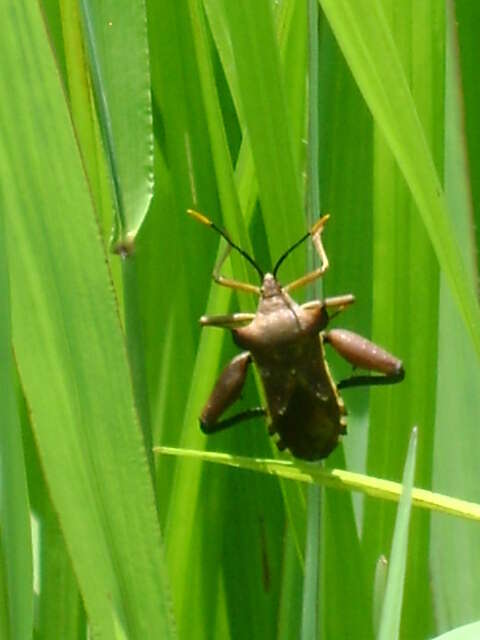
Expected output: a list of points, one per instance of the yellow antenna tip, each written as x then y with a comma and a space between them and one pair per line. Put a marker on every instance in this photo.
318, 226
199, 217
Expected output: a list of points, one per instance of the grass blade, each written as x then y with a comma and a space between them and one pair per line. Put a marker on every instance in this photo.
15, 539
380, 582
343, 568
116, 36
84, 419
454, 549
466, 14
466, 632
364, 36
311, 581
315, 540
290, 610
392, 604
261, 83
82, 107
402, 250
335, 479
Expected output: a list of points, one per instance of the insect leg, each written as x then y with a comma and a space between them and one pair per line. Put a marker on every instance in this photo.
316, 233
248, 414
227, 282
224, 394
365, 354
321, 308
338, 303
228, 321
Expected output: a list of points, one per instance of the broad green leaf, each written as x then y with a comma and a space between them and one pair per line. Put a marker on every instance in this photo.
218, 140
60, 612
454, 550
4, 612
66, 330
290, 610
465, 15
58, 605
466, 632
116, 34
82, 107
392, 604
401, 251
16, 608
263, 97
342, 567
116, 38
171, 244
366, 41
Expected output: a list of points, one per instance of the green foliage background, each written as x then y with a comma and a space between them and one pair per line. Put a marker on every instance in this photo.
124, 114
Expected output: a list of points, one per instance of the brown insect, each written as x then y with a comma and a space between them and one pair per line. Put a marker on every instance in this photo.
286, 341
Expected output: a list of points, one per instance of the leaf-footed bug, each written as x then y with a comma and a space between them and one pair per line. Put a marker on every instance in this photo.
286, 341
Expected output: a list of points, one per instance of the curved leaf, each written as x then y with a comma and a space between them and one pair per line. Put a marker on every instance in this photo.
70, 348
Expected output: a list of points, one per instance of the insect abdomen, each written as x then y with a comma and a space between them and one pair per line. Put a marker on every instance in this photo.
310, 427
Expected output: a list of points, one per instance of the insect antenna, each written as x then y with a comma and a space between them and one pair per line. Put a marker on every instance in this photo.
314, 231
206, 221
288, 252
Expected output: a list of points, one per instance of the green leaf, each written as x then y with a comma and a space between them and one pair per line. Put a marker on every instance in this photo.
455, 555
392, 604
16, 575
60, 612
261, 83
466, 632
84, 419
401, 251
342, 567
290, 610
78, 83
464, 15
380, 582
366, 41
116, 36
335, 479
310, 608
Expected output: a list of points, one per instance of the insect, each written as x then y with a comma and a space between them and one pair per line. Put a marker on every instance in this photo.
286, 341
